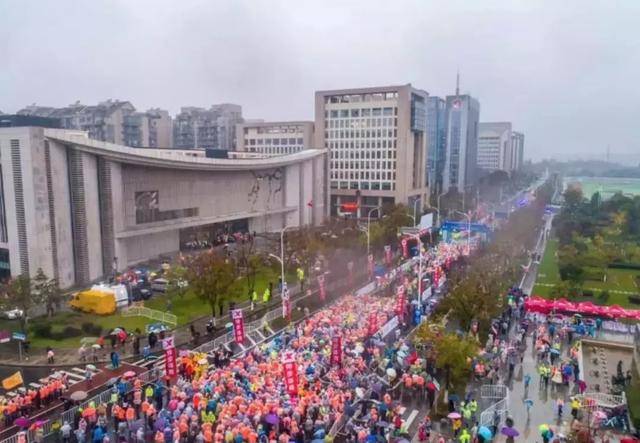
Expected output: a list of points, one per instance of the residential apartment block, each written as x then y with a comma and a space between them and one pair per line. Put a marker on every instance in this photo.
377, 143
213, 128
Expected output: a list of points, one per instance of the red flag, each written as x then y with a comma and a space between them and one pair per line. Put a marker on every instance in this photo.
400, 301
238, 325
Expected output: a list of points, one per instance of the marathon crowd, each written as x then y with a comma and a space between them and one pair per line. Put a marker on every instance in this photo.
247, 400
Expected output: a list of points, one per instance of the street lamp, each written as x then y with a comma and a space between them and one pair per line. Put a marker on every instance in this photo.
415, 215
281, 258
377, 208
417, 237
441, 194
468, 217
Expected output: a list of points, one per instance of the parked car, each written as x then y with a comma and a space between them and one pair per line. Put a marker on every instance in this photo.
12, 314
159, 284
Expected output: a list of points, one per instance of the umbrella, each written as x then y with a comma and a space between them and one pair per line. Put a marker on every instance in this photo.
271, 419
391, 373
129, 374
78, 395
92, 367
485, 433
22, 422
509, 431
116, 331
528, 402
96, 346
453, 415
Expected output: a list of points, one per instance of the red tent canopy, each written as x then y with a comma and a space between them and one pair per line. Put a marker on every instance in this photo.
544, 306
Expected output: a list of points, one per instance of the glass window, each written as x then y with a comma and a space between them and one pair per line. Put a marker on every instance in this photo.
292, 141
387, 111
300, 141
366, 112
334, 114
376, 112
355, 113
344, 113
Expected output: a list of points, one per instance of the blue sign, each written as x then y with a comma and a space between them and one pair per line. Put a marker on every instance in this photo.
19, 336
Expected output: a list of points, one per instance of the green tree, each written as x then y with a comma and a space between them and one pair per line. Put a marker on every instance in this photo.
212, 278
47, 291
17, 294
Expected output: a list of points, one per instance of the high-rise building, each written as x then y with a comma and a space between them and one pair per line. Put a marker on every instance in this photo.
436, 141
517, 146
213, 128
377, 143
274, 138
112, 121
494, 146
463, 114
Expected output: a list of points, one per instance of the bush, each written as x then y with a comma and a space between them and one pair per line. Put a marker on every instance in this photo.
634, 299
68, 331
91, 329
604, 296
42, 330
594, 274
625, 265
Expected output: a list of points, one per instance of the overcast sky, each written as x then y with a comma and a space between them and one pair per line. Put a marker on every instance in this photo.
564, 72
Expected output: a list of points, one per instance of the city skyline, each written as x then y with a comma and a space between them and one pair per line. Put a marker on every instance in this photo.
532, 64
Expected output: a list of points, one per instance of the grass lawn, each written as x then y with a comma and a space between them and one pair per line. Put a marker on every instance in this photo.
186, 308
620, 282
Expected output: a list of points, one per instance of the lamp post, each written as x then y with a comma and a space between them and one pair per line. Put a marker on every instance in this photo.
468, 217
281, 259
440, 195
417, 237
377, 208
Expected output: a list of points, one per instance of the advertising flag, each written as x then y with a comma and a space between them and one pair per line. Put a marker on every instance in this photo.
238, 325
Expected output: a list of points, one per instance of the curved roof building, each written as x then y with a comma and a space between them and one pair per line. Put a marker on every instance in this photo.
79, 208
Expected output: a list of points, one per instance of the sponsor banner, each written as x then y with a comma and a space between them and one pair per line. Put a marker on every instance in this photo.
322, 287
168, 342
238, 325
290, 369
388, 255
372, 323
336, 350
170, 365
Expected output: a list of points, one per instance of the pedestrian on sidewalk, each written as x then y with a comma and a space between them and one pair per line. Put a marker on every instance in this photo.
50, 355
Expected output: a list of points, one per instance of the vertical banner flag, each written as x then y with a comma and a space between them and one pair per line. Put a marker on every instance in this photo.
238, 325
336, 350
371, 264
170, 366
436, 276
321, 287
400, 301
372, 324
291, 376
387, 255
405, 248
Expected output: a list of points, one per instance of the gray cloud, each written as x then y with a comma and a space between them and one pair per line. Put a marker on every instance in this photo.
564, 72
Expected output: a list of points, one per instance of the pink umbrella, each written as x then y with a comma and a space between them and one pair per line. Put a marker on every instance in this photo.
564, 305
587, 308
615, 311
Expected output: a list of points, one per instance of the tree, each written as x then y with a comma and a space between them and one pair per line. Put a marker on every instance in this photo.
573, 197
212, 278
452, 352
17, 294
47, 290
385, 230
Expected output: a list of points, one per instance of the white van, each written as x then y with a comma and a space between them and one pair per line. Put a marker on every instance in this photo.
119, 293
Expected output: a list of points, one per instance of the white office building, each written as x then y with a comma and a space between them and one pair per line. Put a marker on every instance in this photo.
494, 146
274, 138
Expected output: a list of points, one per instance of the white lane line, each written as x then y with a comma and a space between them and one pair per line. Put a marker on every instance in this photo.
412, 417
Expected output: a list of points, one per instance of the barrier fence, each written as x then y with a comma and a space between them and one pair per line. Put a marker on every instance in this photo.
154, 314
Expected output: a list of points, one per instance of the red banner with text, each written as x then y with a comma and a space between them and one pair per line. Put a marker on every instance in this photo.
290, 369
336, 350
170, 365
238, 325
400, 300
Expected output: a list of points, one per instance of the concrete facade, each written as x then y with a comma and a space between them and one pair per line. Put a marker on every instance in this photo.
517, 145
494, 146
77, 207
274, 138
377, 143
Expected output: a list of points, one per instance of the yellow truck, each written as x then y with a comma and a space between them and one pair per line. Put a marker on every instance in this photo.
100, 299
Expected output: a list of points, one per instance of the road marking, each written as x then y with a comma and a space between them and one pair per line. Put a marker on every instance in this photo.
412, 417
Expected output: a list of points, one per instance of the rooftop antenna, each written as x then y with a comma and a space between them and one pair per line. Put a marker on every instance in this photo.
457, 82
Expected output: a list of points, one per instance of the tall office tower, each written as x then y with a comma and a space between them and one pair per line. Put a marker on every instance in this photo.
213, 128
463, 115
494, 146
436, 141
273, 138
378, 145
517, 146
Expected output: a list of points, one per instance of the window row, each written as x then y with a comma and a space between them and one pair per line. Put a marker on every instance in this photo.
366, 175
364, 185
276, 149
359, 98
379, 144
364, 165
362, 133
275, 141
361, 122
349, 154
